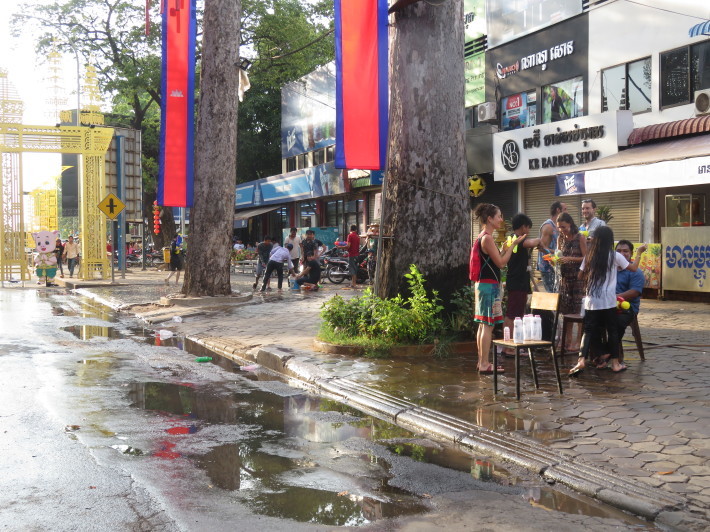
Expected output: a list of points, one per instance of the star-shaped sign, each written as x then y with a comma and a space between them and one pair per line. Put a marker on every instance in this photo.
476, 186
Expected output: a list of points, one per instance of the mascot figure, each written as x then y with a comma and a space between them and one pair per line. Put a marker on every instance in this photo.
45, 261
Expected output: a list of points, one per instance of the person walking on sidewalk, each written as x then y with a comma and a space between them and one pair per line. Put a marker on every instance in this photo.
548, 238
59, 252
295, 242
71, 254
176, 261
488, 311
599, 269
277, 257
353, 241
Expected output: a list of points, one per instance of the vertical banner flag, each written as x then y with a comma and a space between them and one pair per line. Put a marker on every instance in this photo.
177, 129
361, 84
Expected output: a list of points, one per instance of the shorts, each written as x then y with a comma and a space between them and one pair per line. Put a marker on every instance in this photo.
488, 309
352, 266
517, 300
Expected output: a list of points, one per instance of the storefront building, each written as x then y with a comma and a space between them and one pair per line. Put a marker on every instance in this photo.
311, 192
593, 62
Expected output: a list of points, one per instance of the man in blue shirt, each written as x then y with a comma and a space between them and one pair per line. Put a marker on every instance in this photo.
629, 285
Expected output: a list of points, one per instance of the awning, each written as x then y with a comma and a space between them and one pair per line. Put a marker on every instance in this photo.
700, 29
245, 215
671, 163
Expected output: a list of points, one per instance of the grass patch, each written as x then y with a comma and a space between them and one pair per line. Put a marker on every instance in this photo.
373, 347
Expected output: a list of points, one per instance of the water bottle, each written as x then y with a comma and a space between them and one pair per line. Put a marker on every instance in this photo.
527, 327
518, 331
506, 334
538, 328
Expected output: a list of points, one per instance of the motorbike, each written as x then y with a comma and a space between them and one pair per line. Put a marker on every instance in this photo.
337, 268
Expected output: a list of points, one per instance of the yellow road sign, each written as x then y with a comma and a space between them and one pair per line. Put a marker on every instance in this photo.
111, 206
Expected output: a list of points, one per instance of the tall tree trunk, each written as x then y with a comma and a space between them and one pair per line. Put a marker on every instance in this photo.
212, 216
426, 205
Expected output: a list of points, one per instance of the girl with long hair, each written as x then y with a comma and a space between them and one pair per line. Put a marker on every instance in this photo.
599, 270
488, 309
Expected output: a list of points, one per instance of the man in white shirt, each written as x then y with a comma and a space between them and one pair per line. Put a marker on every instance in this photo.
277, 257
591, 223
71, 254
295, 241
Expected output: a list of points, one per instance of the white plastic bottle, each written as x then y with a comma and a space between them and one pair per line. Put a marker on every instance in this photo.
527, 327
518, 331
506, 334
538, 328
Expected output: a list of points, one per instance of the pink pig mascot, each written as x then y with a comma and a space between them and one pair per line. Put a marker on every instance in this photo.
45, 261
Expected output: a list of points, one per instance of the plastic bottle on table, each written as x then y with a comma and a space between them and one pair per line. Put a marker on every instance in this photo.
537, 328
518, 331
527, 328
506, 334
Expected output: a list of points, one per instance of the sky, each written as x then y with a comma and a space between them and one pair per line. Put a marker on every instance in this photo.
28, 73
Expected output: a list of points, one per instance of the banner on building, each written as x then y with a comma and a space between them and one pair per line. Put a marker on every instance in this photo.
570, 184
361, 84
686, 258
177, 131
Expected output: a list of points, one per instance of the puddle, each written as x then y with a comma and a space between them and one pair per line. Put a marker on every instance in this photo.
127, 449
451, 458
152, 337
275, 475
87, 332
579, 504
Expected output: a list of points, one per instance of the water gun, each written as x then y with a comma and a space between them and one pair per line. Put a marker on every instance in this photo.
552, 258
585, 234
622, 304
509, 243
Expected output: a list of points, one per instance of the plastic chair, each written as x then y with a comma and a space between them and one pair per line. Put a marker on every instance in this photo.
540, 301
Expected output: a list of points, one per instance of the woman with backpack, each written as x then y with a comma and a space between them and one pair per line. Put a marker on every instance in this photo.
599, 269
484, 270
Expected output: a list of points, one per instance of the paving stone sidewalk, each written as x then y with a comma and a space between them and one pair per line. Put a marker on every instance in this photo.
649, 424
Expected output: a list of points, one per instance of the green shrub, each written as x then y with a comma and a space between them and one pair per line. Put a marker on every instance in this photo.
395, 321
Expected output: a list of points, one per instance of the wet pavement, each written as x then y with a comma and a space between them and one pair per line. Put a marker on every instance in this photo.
648, 425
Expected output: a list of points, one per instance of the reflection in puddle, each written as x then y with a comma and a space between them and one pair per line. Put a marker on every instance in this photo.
87, 332
579, 504
451, 458
127, 449
255, 466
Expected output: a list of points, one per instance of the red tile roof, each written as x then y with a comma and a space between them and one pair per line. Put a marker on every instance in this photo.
689, 126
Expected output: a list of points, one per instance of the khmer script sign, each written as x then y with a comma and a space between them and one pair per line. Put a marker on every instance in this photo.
686, 258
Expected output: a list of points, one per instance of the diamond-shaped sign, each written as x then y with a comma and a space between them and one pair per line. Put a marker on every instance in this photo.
111, 206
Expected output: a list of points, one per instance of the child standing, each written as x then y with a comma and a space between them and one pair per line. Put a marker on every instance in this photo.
599, 269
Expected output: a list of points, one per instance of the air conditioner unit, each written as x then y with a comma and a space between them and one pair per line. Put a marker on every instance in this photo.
488, 112
702, 102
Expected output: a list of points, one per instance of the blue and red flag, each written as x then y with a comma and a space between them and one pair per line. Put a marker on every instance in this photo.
361, 121
177, 128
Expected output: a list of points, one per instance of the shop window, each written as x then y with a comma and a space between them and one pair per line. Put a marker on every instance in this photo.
684, 71
290, 164
354, 214
319, 157
329, 153
334, 212
518, 111
301, 161
627, 87
307, 214
471, 117
563, 100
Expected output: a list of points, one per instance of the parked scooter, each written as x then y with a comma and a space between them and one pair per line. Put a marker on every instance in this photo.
337, 268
